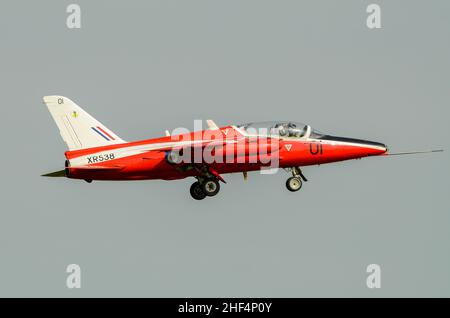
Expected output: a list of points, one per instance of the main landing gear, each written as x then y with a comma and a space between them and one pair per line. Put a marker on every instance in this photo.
295, 183
204, 187
209, 186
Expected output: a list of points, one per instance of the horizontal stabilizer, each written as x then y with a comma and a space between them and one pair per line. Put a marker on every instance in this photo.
60, 173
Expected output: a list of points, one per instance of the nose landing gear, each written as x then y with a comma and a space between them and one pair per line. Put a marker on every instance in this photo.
295, 183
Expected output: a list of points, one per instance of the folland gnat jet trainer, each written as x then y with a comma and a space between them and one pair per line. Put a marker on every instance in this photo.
97, 153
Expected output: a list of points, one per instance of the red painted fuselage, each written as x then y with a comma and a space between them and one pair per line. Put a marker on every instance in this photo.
233, 149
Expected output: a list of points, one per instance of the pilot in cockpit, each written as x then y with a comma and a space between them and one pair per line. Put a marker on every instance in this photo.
289, 130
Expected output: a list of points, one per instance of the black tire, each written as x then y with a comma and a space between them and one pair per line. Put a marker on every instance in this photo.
196, 191
211, 187
293, 184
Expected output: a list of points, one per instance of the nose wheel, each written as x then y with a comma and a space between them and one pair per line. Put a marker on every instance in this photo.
295, 182
204, 188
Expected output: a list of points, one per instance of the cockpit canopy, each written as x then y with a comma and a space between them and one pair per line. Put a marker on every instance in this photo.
283, 129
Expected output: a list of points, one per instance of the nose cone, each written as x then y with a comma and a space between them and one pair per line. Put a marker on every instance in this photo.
365, 147
374, 148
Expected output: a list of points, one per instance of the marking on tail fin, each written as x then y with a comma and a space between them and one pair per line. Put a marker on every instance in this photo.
103, 131
71, 131
98, 132
76, 126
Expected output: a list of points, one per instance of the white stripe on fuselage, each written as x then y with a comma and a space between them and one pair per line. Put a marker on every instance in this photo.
135, 150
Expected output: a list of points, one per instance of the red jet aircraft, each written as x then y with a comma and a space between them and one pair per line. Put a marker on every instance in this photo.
96, 153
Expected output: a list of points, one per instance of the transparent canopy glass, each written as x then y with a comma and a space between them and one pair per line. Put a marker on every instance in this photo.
278, 128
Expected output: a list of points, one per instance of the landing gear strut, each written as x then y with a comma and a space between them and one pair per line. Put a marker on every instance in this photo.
295, 183
204, 187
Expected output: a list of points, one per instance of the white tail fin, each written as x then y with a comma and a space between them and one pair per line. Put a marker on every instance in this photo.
79, 129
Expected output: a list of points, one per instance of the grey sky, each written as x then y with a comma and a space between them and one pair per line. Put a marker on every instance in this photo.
141, 67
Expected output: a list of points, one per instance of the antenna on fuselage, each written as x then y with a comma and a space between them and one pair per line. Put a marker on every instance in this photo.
412, 152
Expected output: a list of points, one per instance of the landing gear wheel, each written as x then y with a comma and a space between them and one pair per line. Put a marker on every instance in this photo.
293, 184
197, 191
211, 187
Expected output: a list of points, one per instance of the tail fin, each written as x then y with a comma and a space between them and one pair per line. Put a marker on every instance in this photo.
78, 129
